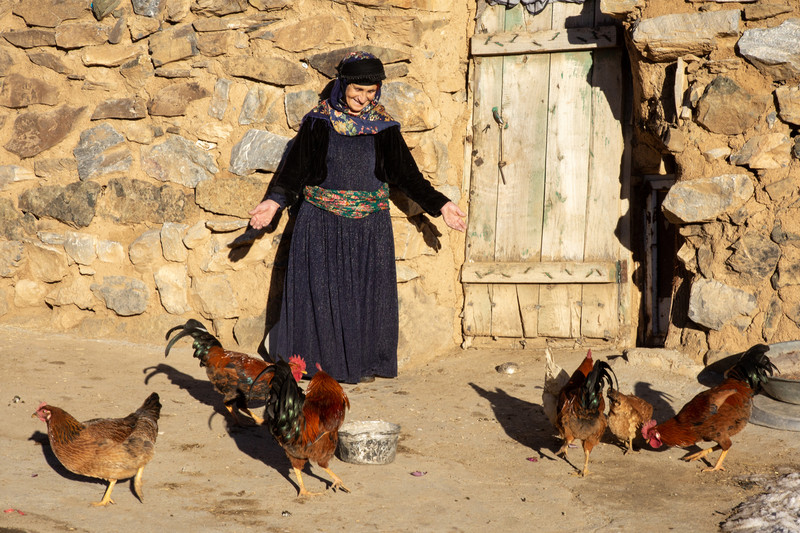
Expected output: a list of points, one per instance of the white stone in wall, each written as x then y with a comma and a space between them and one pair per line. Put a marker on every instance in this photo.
196, 235
47, 264
172, 242
81, 247
110, 252
74, 290
704, 199
214, 297
29, 293
145, 251
172, 282
714, 304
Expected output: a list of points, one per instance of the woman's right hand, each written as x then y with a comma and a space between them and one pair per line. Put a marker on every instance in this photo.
263, 213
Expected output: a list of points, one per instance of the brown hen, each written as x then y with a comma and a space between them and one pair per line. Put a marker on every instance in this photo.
105, 448
626, 414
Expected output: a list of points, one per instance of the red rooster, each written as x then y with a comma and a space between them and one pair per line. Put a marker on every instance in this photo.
233, 374
580, 409
306, 425
715, 415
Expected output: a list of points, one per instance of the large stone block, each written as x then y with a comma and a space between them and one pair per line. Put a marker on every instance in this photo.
36, 131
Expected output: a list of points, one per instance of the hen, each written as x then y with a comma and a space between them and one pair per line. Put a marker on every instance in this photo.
306, 425
555, 378
715, 415
626, 414
105, 448
233, 374
580, 409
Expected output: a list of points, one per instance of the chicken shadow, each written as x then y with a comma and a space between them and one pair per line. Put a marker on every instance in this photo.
53, 462
523, 421
252, 440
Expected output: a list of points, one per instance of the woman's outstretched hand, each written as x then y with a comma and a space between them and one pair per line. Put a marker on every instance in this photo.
263, 213
454, 217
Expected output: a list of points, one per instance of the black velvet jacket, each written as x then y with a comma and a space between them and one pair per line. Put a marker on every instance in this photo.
305, 165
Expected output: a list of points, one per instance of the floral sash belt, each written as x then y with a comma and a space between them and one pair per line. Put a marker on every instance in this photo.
350, 204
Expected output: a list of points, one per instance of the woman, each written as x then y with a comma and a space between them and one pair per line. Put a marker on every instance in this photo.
339, 304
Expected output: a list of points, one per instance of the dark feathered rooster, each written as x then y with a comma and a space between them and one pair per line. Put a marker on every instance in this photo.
105, 448
718, 413
233, 374
306, 425
580, 409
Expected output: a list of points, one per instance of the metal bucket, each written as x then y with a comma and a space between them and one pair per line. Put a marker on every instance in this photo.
368, 442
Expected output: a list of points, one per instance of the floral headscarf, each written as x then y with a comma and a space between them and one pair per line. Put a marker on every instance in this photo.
373, 118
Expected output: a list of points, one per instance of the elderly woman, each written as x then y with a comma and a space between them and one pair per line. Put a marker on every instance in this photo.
339, 304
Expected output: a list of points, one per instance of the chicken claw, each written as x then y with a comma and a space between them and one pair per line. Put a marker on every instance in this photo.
337, 481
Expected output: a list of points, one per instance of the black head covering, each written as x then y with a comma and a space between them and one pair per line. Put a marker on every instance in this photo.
361, 69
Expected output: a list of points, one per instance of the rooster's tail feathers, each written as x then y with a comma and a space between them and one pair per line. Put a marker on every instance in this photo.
285, 403
753, 367
203, 340
592, 389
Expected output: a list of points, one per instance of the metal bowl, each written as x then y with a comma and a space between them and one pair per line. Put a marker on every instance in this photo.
368, 442
785, 386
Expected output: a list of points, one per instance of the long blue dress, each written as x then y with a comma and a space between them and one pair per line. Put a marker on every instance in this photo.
339, 302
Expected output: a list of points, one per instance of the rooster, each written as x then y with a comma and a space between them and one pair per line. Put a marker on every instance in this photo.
306, 425
626, 414
580, 410
105, 448
715, 415
233, 374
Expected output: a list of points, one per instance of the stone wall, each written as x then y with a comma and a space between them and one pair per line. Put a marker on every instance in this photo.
136, 134
718, 103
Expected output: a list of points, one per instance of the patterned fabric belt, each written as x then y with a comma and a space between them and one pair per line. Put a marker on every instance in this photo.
350, 204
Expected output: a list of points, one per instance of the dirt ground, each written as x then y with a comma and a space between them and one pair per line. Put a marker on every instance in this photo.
480, 437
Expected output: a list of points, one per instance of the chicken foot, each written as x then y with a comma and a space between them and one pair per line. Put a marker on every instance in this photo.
137, 484
703, 453
337, 481
107, 496
303, 491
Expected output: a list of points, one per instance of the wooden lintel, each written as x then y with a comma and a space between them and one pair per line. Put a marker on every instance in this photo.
564, 40
547, 273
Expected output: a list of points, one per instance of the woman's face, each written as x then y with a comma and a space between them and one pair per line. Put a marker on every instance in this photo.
358, 96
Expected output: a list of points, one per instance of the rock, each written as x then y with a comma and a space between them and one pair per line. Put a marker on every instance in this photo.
410, 106
30, 293
233, 196
178, 160
175, 70
121, 108
620, 8
80, 247
111, 55
110, 252
270, 5
75, 290
141, 27
788, 98
123, 295
145, 251
176, 10
47, 263
247, 22
218, 8
12, 258
764, 152
773, 51
196, 235
74, 204
172, 242
30, 38
173, 45
138, 71
298, 104
326, 62
263, 103
216, 43
226, 226
13, 224
258, 150
405, 273
214, 297
727, 108
669, 37
172, 282
755, 257
14, 174
147, 8
713, 304
118, 31
215, 133
20, 91
272, 70
36, 131
70, 35
761, 11
140, 132
131, 201
706, 199
48, 60
101, 8
312, 33
172, 100
6, 62
781, 189
101, 150
47, 13
219, 102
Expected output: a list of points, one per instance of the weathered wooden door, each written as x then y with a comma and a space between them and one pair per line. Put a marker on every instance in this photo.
546, 246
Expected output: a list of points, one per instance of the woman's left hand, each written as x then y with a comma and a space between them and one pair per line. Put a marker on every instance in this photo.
454, 217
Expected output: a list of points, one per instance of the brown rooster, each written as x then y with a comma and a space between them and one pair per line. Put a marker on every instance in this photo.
715, 415
626, 414
580, 409
233, 374
105, 448
306, 425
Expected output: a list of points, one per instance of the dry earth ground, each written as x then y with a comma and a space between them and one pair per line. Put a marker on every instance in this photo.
480, 437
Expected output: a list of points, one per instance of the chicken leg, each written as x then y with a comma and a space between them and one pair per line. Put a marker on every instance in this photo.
703, 453
337, 481
107, 496
303, 491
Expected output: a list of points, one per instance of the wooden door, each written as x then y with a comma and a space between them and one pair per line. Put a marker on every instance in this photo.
546, 244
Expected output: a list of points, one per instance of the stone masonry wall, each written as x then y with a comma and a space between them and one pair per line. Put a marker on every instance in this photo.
717, 96
136, 134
